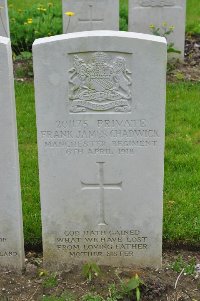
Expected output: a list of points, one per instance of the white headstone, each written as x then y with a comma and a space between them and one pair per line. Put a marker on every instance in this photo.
100, 103
11, 233
4, 20
143, 13
90, 15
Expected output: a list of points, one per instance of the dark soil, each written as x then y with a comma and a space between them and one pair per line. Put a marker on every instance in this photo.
159, 285
189, 70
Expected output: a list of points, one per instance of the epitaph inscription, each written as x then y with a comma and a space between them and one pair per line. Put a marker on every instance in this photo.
102, 243
154, 3
100, 82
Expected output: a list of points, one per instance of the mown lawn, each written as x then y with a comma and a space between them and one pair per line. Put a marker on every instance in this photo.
193, 10
182, 163
28, 162
193, 16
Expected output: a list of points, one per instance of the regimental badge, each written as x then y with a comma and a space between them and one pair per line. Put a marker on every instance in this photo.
99, 84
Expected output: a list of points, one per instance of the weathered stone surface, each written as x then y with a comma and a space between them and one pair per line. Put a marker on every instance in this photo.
100, 102
4, 20
11, 233
143, 13
90, 15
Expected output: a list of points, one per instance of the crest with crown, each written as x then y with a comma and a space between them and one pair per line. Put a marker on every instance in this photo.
100, 79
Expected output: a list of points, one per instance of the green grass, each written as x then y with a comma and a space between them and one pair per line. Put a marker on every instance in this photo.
193, 10
193, 16
28, 163
182, 164
23, 4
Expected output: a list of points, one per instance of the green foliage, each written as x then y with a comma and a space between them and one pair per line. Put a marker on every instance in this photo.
25, 55
114, 293
50, 281
126, 289
132, 287
164, 31
180, 264
193, 17
30, 20
90, 270
123, 15
33, 23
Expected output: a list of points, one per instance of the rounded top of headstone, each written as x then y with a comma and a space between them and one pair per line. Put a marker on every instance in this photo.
101, 33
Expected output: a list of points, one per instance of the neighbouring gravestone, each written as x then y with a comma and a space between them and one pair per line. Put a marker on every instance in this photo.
4, 20
144, 13
90, 15
11, 233
100, 103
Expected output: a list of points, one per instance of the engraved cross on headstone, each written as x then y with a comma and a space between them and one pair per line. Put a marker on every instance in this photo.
91, 18
101, 185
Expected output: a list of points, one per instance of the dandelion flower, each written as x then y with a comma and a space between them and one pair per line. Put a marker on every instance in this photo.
70, 13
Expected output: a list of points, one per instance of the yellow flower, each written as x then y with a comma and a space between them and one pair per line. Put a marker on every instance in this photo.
164, 24
152, 26
70, 13
30, 21
171, 28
